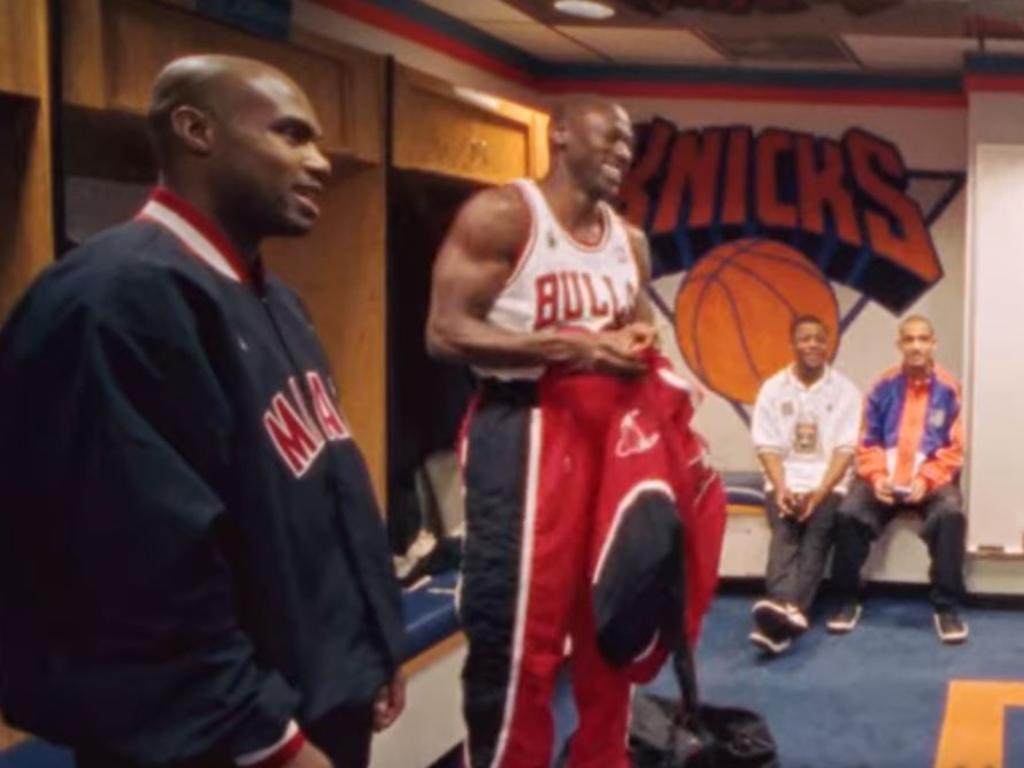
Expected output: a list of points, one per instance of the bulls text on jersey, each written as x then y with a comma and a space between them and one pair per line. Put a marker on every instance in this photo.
567, 296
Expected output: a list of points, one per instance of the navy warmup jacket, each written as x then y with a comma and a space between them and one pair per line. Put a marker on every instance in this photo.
190, 550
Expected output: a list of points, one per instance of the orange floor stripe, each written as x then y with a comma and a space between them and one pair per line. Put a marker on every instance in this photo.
972, 728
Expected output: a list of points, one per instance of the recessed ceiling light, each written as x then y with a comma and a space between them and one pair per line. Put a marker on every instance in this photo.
588, 9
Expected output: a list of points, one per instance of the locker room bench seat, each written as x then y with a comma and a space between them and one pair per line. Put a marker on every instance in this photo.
744, 493
897, 556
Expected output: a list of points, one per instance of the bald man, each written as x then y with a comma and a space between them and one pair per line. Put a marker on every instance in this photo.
533, 276
193, 570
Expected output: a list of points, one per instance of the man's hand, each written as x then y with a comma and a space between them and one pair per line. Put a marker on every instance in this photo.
389, 703
787, 502
883, 491
617, 352
309, 757
811, 502
918, 490
643, 337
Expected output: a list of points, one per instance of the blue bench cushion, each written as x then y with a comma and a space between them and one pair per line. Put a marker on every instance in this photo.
744, 487
429, 613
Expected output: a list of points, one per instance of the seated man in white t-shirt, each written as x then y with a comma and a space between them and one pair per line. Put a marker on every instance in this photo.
805, 428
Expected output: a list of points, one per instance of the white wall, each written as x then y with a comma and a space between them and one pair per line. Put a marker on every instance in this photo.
994, 289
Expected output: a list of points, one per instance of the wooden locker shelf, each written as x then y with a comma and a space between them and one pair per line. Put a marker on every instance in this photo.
115, 48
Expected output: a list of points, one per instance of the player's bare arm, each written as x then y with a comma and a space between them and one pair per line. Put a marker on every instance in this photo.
472, 266
642, 327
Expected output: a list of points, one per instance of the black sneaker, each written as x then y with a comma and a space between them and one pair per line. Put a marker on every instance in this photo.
846, 618
950, 627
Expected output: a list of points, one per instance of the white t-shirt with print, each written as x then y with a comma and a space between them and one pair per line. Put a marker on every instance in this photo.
805, 425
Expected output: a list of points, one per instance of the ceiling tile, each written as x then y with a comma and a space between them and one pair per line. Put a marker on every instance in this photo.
539, 40
479, 10
645, 46
752, 47
898, 52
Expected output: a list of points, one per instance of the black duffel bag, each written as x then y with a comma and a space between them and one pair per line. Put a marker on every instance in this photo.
688, 734
716, 737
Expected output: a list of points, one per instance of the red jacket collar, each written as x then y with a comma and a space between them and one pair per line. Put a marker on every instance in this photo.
196, 232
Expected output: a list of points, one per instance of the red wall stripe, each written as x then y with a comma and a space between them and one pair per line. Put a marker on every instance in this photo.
994, 83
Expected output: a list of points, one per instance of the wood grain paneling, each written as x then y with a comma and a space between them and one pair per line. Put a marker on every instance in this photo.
26, 228
84, 82
339, 270
366, 97
438, 132
22, 44
115, 48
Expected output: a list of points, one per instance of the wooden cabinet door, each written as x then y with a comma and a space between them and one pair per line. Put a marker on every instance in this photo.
115, 48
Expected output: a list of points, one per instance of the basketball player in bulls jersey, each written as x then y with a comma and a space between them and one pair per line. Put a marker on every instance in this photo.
535, 275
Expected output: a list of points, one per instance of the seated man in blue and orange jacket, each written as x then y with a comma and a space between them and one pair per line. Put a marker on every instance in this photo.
909, 457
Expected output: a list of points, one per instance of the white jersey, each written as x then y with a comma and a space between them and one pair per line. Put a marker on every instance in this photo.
805, 425
560, 282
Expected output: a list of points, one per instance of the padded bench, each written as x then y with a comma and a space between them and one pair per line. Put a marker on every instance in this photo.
744, 492
428, 609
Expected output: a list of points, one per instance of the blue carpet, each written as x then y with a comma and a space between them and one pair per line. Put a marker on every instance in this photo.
1013, 736
871, 699
874, 698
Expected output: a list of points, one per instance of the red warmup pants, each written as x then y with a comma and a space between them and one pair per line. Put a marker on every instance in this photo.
524, 597
537, 522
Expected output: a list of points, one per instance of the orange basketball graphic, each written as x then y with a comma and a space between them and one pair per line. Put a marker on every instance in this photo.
734, 309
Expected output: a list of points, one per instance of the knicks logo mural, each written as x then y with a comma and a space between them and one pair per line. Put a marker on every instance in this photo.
763, 224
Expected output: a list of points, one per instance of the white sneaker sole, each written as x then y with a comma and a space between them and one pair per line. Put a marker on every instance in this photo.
778, 617
765, 643
950, 638
837, 627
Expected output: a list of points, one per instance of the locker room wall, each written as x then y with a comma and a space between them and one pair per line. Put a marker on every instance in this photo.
26, 239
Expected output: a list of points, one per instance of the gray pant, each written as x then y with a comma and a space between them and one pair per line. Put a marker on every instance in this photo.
862, 517
798, 552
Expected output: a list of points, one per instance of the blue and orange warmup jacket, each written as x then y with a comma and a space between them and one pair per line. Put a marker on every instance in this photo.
912, 429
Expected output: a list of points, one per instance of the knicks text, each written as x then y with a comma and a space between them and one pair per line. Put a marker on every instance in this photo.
843, 203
